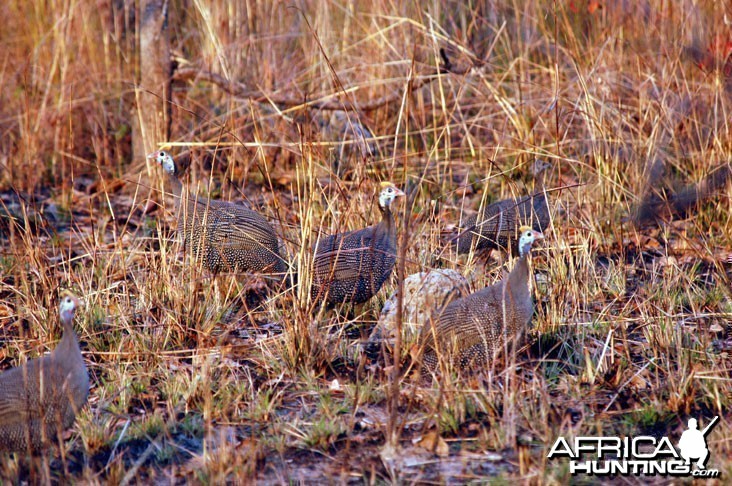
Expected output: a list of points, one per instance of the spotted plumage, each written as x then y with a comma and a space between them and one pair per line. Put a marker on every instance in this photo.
40, 399
352, 267
471, 331
496, 227
224, 236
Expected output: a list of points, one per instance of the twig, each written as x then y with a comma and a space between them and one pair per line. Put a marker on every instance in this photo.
116, 444
139, 462
617, 394
241, 90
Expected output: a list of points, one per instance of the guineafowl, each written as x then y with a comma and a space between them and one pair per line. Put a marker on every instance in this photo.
40, 399
225, 236
497, 225
471, 330
352, 267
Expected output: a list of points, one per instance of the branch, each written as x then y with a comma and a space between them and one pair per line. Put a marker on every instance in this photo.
241, 90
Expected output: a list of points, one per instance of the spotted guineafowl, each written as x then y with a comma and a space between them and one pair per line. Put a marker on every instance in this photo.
225, 236
497, 225
39, 400
472, 330
352, 267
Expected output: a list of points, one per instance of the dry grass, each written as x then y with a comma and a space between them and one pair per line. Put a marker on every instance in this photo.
235, 378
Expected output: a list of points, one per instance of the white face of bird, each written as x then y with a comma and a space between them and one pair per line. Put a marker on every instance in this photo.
527, 238
164, 159
388, 193
68, 307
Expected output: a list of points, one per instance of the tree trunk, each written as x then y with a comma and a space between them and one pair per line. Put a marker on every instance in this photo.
152, 93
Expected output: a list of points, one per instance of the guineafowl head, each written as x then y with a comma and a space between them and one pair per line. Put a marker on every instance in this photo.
165, 160
527, 238
388, 193
539, 167
67, 309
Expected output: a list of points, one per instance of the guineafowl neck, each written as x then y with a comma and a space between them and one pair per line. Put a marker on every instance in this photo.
539, 183
175, 185
180, 193
69, 343
518, 279
386, 216
387, 220
540, 179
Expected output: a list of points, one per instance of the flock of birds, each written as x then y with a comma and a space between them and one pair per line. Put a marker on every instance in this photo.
40, 399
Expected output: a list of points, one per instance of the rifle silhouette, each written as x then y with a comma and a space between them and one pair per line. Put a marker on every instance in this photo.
709, 426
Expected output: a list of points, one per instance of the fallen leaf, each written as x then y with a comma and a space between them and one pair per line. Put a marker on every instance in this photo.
6, 311
716, 328
432, 442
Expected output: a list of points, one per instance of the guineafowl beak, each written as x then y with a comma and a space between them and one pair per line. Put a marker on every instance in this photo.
537, 236
398, 192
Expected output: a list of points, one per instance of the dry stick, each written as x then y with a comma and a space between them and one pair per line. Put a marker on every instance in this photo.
393, 436
237, 88
617, 394
116, 444
155, 69
556, 78
395, 377
132, 472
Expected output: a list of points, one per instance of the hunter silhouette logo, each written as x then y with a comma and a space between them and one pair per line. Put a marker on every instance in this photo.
693, 442
643, 455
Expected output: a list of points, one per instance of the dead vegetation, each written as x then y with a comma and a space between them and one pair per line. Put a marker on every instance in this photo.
214, 379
